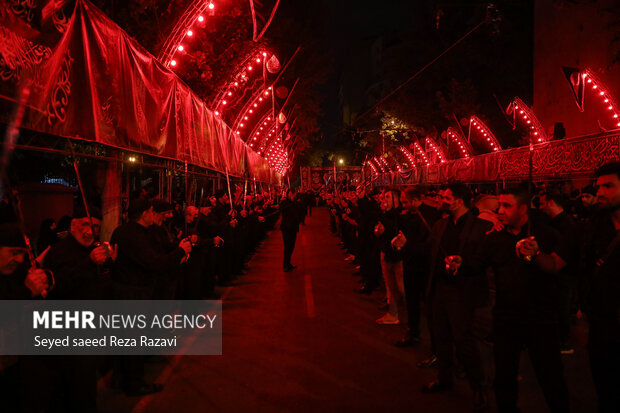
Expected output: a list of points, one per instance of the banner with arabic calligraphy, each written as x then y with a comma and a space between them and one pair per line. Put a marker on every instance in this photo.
90, 80
563, 159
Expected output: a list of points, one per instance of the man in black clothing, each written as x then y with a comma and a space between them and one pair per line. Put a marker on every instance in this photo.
601, 259
553, 204
386, 231
414, 226
456, 287
289, 227
69, 383
525, 314
77, 261
227, 222
138, 267
370, 258
17, 282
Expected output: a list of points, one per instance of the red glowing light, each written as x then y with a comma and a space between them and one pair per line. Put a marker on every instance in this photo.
180, 48
173, 63
190, 33
201, 19
211, 6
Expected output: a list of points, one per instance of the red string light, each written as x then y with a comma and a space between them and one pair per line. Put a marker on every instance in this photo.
408, 155
525, 115
592, 81
464, 148
476, 125
436, 149
421, 152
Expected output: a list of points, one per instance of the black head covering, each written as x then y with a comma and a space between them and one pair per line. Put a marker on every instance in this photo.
159, 205
137, 207
80, 212
11, 235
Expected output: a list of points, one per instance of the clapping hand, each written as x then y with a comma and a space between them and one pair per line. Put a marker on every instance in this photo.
37, 282
453, 263
379, 229
527, 248
399, 241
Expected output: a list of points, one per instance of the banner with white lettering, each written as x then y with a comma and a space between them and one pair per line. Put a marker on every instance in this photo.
110, 327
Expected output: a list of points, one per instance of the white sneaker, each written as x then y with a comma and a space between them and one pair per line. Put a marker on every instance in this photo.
388, 319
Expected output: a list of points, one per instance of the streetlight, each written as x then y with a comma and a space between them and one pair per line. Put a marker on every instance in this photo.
341, 161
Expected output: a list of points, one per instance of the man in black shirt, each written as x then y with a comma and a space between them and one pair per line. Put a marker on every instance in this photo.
289, 227
77, 260
525, 313
77, 263
16, 283
456, 287
386, 231
138, 267
414, 227
601, 260
553, 204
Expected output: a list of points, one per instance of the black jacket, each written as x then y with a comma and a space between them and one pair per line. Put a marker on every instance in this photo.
138, 262
470, 278
290, 215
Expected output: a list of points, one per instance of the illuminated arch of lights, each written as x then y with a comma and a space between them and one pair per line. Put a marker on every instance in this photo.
372, 167
522, 113
185, 26
257, 134
464, 147
239, 81
592, 82
378, 163
421, 152
385, 163
436, 149
478, 126
250, 110
276, 156
408, 155
395, 161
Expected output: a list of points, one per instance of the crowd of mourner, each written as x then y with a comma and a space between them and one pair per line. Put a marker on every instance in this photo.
541, 257
164, 251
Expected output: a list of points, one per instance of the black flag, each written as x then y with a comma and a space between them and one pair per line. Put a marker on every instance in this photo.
577, 84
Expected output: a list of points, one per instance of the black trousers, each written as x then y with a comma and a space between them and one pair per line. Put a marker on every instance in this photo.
453, 332
543, 346
414, 291
289, 237
604, 347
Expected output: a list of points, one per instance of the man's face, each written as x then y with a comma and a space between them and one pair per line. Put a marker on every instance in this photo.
404, 201
545, 205
587, 199
82, 231
10, 259
608, 195
148, 217
449, 203
388, 201
510, 212
409, 204
160, 217
191, 213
